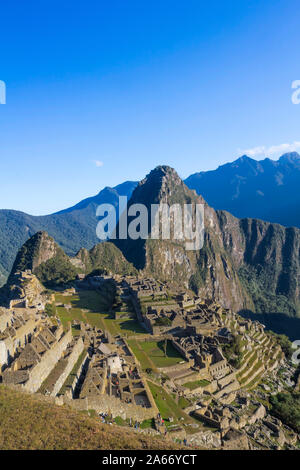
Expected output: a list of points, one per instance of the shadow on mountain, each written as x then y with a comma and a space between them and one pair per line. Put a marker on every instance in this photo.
278, 322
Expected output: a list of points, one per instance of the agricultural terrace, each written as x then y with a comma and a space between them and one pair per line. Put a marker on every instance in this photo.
169, 408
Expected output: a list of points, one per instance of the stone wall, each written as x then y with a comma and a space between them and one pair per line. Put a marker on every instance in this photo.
231, 387
212, 387
227, 379
5, 319
82, 368
113, 406
9, 345
41, 370
207, 419
177, 367
180, 349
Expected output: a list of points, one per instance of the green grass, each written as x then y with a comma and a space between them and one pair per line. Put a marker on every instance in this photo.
93, 301
167, 406
124, 327
151, 354
148, 423
97, 315
196, 384
28, 423
183, 403
141, 356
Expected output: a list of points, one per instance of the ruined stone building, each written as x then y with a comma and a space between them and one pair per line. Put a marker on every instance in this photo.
17, 327
38, 358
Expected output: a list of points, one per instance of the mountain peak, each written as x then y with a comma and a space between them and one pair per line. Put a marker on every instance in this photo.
162, 172
43, 257
162, 184
243, 158
290, 157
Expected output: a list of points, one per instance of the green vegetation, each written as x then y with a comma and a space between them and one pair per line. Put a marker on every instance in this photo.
57, 267
50, 310
104, 258
94, 307
142, 357
148, 423
167, 406
124, 327
286, 406
87, 306
30, 424
163, 321
57, 270
285, 344
259, 282
196, 384
151, 353
233, 352
183, 403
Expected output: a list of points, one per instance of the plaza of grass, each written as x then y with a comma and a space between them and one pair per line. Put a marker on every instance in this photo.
93, 307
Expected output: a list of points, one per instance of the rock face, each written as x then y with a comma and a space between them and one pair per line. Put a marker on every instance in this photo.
39, 249
265, 189
44, 258
245, 264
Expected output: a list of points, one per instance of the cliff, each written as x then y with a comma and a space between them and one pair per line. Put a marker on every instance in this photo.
244, 264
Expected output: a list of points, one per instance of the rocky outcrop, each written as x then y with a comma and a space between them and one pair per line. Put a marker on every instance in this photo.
44, 258
235, 440
104, 257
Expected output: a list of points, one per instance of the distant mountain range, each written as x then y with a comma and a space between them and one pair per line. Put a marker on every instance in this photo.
72, 228
266, 190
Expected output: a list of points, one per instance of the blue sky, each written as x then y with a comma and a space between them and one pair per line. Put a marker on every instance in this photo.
133, 84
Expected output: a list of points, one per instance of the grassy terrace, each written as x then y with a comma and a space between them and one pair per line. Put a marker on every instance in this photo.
168, 407
151, 354
251, 373
93, 307
124, 327
196, 384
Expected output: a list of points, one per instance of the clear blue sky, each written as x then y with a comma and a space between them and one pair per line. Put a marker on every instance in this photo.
134, 84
